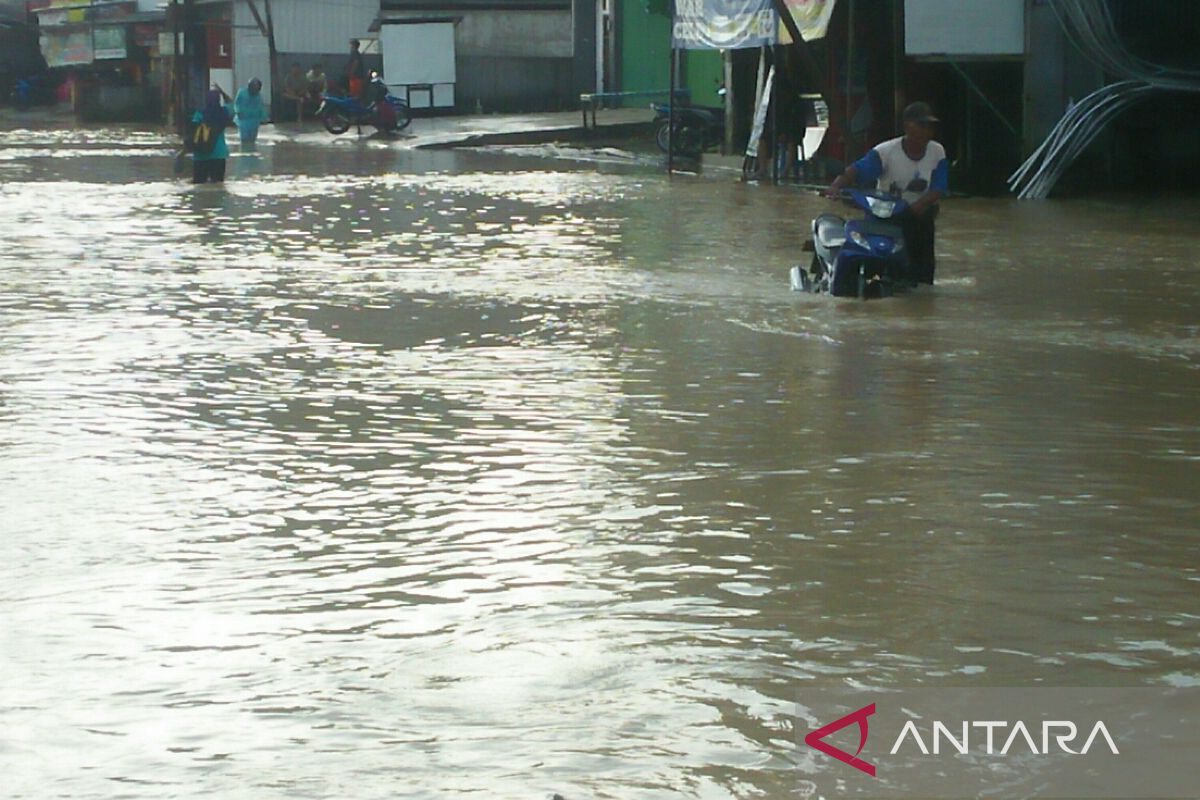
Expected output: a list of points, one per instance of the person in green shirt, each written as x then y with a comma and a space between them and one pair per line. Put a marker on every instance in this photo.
209, 166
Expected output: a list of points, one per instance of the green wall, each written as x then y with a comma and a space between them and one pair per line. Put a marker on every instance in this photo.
644, 54
704, 72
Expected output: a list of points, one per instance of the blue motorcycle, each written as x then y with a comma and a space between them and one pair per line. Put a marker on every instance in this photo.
862, 257
388, 113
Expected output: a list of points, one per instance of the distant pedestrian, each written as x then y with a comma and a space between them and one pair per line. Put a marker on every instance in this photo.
356, 71
250, 110
207, 138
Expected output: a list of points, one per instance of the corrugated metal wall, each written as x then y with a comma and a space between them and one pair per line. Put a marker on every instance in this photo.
249, 50
321, 26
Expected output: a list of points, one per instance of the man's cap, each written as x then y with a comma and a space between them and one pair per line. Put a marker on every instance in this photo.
918, 112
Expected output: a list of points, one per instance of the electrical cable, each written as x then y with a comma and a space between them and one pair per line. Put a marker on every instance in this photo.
1088, 24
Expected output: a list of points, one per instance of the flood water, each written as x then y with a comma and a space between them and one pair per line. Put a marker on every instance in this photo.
390, 473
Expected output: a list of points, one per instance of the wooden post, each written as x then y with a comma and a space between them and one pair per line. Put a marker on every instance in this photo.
189, 17
849, 116
815, 73
727, 148
897, 59
258, 20
671, 107
175, 97
773, 109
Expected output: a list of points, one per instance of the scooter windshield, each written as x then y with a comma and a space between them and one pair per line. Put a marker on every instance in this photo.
880, 207
877, 204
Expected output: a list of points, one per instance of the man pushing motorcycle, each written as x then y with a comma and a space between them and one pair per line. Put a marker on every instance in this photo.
912, 166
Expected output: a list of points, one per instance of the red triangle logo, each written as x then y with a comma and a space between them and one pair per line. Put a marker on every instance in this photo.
815, 739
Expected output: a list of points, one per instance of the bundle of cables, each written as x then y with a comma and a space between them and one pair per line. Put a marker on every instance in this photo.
1088, 24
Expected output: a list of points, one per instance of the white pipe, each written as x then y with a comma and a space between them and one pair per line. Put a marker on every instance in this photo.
1071, 135
1089, 25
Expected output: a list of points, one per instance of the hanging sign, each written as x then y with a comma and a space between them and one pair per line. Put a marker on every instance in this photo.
67, 49
723, 24
109, 42
812, 19
218, 37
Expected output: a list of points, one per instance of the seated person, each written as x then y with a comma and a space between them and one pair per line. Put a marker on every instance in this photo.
295, 90
317, 83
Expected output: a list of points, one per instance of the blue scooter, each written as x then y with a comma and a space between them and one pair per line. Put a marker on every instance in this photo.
387, 113
862, 257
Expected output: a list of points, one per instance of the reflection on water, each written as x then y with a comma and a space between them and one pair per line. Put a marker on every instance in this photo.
380, 473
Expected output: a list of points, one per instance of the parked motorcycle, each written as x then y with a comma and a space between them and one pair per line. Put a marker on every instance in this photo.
697, 128
861, 258
387, 113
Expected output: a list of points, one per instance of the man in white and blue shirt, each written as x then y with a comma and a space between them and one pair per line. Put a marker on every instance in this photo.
912, 166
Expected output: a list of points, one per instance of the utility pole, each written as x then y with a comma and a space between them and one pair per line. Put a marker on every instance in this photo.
189, 17
272, 56
174, 115
851, 155
897, 58
727, 65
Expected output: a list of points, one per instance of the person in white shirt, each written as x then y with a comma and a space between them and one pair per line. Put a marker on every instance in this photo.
912, 166
316, 82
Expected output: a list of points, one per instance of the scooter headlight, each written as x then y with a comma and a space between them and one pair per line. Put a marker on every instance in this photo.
860, 240
880, 207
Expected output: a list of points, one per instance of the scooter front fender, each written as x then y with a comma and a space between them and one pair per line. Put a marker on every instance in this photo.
853, 262
828, 234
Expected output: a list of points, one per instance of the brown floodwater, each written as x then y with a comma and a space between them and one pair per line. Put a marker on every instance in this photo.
391, 473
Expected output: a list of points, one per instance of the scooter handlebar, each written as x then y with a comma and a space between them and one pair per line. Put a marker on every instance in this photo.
875, 203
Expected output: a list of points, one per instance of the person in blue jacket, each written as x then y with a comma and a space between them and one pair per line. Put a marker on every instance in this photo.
250, 110
210, 166
912, 166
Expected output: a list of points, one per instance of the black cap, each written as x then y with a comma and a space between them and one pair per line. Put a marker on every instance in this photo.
918, 112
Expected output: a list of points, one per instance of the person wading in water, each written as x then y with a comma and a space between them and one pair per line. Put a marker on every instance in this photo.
912, 166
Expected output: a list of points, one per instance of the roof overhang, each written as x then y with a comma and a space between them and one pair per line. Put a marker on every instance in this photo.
442, 6
388, 19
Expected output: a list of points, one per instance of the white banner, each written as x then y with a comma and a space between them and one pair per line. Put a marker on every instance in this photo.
723, 24
812, 19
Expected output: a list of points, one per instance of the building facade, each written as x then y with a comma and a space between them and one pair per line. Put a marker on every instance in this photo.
105, 53
515, 55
